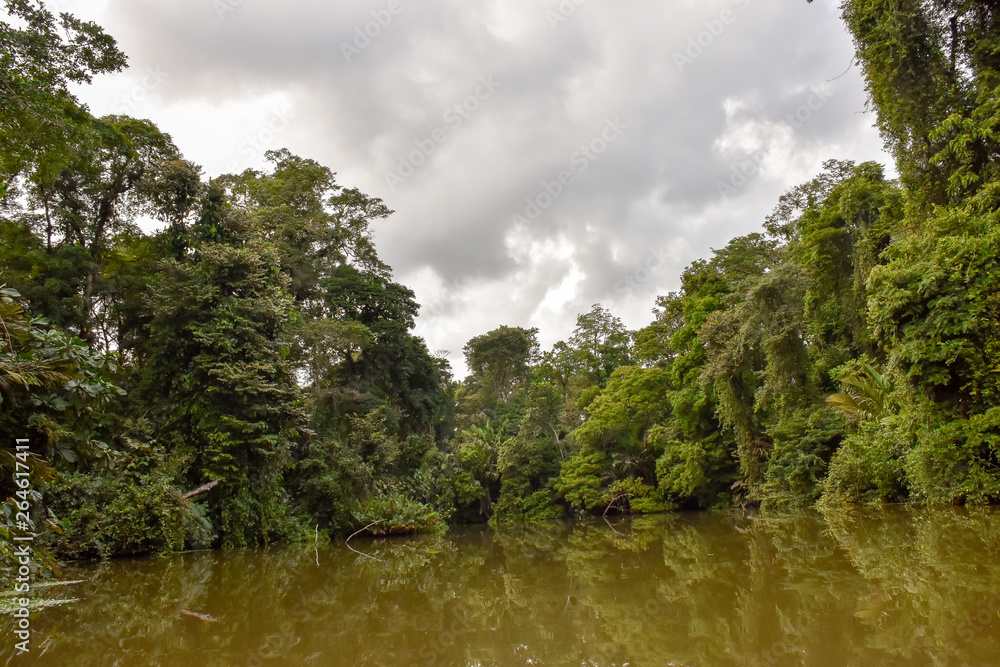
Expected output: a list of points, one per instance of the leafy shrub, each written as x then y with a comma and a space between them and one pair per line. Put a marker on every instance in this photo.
799, 459
130, 509
869, 466
635, 496
327, 482
580, 481
395, 514
957, 461
537, 507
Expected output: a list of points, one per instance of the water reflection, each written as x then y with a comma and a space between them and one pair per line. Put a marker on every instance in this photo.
895, 587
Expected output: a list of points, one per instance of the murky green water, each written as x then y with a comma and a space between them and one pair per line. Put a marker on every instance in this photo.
899, 587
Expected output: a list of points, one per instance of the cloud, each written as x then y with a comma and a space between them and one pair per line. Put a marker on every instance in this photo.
703, 87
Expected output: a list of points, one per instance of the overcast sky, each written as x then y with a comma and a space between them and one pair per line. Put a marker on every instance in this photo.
541, 156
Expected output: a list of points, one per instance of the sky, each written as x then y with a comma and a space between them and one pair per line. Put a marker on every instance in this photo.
541, 156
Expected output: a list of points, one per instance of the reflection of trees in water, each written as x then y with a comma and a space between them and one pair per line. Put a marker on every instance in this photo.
933, 581
896, 587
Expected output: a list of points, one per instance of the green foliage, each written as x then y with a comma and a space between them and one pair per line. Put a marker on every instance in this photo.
581, 479
479, 452
536, 507
865, 395
955, 460
803, 444
326, 483
600, 344
50, 386
131, 508
698, 471
620, 415
41, 57
902, 49
216, 372
266, 347
29, 356
499, 360
869, 465
631, 495
934, 305
395, 514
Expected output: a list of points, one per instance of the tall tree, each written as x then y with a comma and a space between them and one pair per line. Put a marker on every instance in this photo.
216, 372
500, 360
601, 344
41, 121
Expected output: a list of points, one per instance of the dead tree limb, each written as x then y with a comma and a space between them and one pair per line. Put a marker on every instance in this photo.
361, 531
204, 488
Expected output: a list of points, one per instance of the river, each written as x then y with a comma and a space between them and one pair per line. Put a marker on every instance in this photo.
899, 586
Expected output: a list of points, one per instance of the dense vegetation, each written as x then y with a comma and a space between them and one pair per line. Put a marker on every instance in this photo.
257, 352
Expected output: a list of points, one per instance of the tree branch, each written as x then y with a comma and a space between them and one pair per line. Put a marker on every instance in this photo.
204, 488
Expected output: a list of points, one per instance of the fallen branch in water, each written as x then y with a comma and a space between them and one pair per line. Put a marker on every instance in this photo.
361, 531
614, 500
204, 488
200, 617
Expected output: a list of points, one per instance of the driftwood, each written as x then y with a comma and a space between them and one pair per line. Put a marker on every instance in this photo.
204, 488
361, 531
615, 500
200, 617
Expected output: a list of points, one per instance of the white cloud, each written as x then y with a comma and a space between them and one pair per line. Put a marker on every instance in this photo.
656, 187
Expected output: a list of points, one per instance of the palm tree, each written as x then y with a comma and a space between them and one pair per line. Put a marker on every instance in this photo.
484, 444
865, 395
21, 367
26, 367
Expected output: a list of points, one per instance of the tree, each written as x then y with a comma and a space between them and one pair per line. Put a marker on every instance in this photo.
318, 227
50, 382
216, 372
865, 395
479, 451
500, 359
601, 344
41, 121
